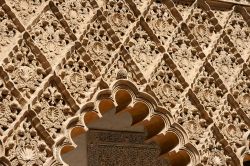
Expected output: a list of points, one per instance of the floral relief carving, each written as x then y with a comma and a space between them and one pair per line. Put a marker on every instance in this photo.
239, 32
232, 126
119, 16
119, 71
185, 55
183, 7
143, 50
202, 28
161, 22
52, 110
25, 147
9, 108
166, 86
25, 70
210, 96
49, 35
141, 4
27, 10
189, 117
8, 30
98, 44
212, 152
77, 77
241, 92
221, 15
76, 13
200, 134
226, 61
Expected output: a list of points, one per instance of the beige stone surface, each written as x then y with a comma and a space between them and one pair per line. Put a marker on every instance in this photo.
179, 68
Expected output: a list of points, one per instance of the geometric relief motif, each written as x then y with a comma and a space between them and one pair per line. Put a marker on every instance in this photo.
239, 32
241, 92
201, 26
166, 86
26, 10
24, 69
185, 55
25, 148
8, 30
52, 110
50, 36
143, 50
161, 21
226, 61
119, 16
76, 13
77, 77
98, 44
9, 108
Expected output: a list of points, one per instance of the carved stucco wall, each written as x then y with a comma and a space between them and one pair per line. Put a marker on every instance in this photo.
190, 57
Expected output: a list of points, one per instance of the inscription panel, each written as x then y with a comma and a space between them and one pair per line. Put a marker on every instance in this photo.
116, 148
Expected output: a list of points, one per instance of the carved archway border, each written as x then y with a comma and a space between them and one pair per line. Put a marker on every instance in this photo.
123, 95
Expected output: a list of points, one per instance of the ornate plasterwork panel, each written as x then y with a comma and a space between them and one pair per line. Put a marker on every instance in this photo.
10, 108
238, 31
179, 67
25, 146
226, 60
8, 30
144, 50
77, 14
119, 16
24, 69
98, 43
52, 110
185, 55
77, 77
161, 22
25, 10
50, 36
